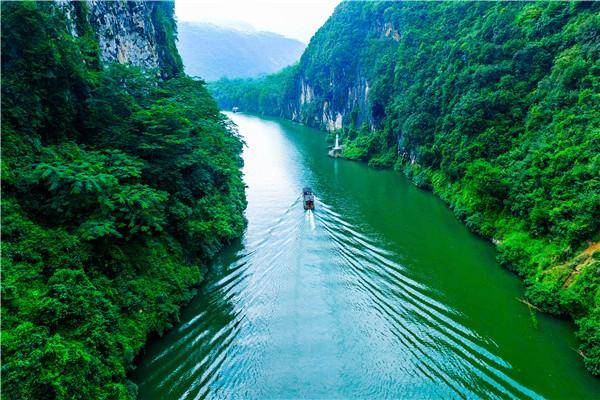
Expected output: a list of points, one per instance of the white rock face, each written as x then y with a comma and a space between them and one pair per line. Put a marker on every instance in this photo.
391, 32
307, 93
332, 113
125, 30
325, 116
330, 123
338, 121
70, 12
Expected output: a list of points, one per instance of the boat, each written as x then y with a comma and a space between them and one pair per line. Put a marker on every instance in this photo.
308, 198
235, 109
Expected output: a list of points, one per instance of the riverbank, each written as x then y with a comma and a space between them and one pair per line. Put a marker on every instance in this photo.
559, 280
470, 111
381, 292
117, 185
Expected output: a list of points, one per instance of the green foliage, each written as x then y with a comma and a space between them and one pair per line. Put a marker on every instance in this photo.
589, 335
494, 106
359, 149
116, 188
265, 95
166, 26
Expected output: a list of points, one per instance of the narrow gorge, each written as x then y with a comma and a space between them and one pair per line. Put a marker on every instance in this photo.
493, 106
157, 241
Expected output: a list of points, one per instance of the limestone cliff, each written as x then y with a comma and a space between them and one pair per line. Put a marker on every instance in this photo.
129, 32
338, 96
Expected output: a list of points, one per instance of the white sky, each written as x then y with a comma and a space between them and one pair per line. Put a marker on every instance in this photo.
298, 19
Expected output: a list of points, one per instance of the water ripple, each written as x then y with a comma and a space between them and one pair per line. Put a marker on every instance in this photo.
314, 306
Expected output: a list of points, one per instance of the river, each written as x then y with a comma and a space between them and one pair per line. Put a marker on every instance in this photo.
380, 292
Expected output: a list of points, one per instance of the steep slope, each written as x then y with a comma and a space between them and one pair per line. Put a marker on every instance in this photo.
213, 52
140, 33
117, 186
493, 106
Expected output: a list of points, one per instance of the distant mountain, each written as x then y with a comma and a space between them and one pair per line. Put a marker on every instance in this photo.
212, 52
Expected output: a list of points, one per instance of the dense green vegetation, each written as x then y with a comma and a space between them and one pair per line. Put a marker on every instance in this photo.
270, 94
493, 106
116, 188
166, 31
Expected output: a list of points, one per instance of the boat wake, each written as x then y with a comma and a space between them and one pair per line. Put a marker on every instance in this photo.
327, 293
310, 217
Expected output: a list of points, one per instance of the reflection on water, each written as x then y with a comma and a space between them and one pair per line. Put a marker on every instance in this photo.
310, 217
351, 300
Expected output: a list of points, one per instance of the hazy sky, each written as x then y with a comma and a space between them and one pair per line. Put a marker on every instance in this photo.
297, 19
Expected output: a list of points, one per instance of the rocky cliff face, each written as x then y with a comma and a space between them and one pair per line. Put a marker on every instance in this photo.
129, 32
337, 95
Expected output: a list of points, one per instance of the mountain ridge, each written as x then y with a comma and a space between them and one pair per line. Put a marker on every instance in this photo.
212, 51
493, 106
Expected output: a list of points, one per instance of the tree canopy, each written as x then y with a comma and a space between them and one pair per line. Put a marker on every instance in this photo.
117, 187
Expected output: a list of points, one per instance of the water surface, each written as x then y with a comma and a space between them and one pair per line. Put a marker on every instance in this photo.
380, 292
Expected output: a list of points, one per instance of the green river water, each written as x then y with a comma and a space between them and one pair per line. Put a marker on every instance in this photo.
378, 293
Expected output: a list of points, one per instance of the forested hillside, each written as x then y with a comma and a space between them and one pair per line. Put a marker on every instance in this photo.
213, 52
493, 106
116, 187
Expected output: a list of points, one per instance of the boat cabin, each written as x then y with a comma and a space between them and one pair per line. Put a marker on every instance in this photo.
308, 198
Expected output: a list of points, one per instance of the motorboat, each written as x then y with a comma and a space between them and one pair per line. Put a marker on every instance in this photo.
308, 198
